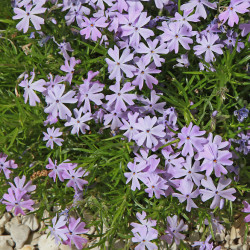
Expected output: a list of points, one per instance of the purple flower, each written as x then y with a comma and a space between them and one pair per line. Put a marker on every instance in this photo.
190, 172
119, 65
151, 105
245, 27
176, 33
148, 133
78, 122
115, 118
186, 188
173, 230
129, 125
30, 86
135, 174
215, 159
208, 47
149, 223
189, 136
172, 160
144, 237
5, 165
185, 19
57, 170
152, 52
59, 229
21, 187
29, 15
51, 137
69, 68
75, 177
204, 245
200, 8
231, 41
76, 227
183, 61
156, 185
241, 114
55, 99
216, 192
246, 210
90, 91
121, 96
236, 6
134, 27
90, 27
15, 199
143, 73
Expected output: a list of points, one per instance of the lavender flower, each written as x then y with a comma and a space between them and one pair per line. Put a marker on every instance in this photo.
241, 114
5, 165
173, 230
51, 137
246, 210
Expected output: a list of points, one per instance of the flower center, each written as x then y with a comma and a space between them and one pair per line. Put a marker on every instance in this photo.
148, 131
51, 137
78, 121
92, 25
188, 138
215, 161
208, 47
57, 101
131, 128
176, 36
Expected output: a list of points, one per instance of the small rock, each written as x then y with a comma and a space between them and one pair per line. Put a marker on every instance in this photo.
19, 234
5, 218
30, 221
27, 247
13, 222
5, 246
220, 237
33, 238
6, 242
47, 243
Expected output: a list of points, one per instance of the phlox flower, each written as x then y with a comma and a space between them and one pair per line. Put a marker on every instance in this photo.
156, 185
177, 33
143, 73
52, 136
19, 184
199, 5
204, 245
144, 237
119, 65
149, 132
217, 192
29, 14
160, 3
76, 227
183, 61
246, 210
245, 27
208, 47
55, 99
90, 91
114, 117
185, 18
152, 52
133, 27
149, 223
90, 27
216, 224
187, 194
231, 41
29, 87
173, 230
78, 122
69, 68
6, 165
15, 199
236, 6
190, 137
75, 177
57, 170
64, 47
100, 3
59, 230
129, 125
135, 174
121, 96
190, 171
151, 104
171, 160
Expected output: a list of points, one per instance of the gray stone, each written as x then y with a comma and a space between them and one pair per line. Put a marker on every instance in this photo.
47, 243
6, 242
13, 222
27, 247
195, 236
30, 221
5, 218
19, 234
33, 238
66, 247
